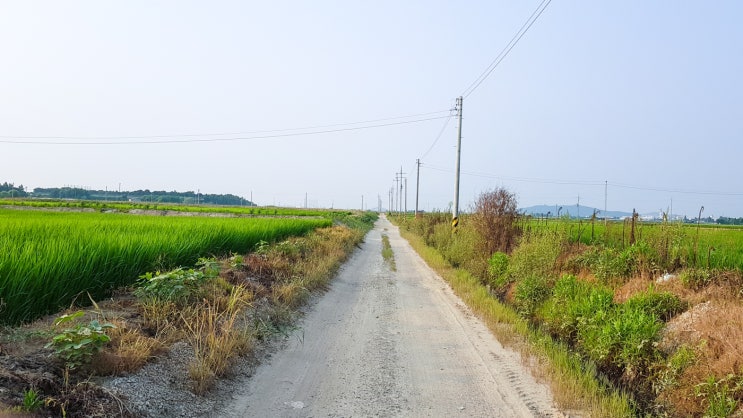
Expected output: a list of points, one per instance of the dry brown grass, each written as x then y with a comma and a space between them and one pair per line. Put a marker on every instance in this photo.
160, 316
714, 329
291, 294
215, 332
127, 352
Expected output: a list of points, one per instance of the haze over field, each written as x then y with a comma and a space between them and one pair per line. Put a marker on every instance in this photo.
643, 95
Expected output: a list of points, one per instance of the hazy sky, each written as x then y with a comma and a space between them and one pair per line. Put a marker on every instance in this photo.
644, 95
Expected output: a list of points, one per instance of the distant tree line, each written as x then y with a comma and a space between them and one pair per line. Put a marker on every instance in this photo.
10, 190
155, 196
723, 220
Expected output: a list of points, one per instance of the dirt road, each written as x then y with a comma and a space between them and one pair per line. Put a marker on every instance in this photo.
384, 343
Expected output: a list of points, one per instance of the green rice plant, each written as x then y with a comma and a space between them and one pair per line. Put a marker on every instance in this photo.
174, 207
47, 259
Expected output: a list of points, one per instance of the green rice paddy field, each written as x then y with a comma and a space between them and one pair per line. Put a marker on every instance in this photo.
708, 246
49, 259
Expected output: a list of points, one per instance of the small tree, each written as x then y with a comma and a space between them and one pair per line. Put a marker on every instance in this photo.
494, 220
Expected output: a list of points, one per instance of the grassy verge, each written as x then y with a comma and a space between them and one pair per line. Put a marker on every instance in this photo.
387, 253
574, 384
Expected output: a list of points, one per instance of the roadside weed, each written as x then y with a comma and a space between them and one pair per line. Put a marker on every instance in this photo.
77, 345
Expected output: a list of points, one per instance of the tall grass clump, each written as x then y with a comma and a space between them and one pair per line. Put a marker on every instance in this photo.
497, 276
573, 306
48, 259
536, 255
387, 254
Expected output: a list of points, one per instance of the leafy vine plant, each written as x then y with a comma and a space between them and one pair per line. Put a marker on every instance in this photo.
77, 345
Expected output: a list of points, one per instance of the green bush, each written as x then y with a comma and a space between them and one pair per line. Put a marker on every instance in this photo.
462, 247
641, 258
607, 264
440, 237
77, 345
695, 278
529, 294
625, 339
177, 286
498, 271
574, 305
663, 305
536, 255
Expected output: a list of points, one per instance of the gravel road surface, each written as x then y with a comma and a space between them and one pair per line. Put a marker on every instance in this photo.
388, 343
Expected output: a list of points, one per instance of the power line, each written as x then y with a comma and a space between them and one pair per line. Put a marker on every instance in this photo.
228, 133
240, 138
584, 183
504, 52
671, 190
519, 179
446, 123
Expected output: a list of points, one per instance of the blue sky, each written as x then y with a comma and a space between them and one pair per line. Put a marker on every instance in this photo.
646, 96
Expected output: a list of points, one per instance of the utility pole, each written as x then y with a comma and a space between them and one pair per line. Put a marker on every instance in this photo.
455, 209
406, 195
417, 184
305, 200
399, 198
399, 186
362, 202
397, 193
606, 193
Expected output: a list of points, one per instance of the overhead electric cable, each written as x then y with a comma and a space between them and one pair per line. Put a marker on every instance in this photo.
671, 190
446, 123
583, 183
504, 52
240, 138
227, 133
519, 179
